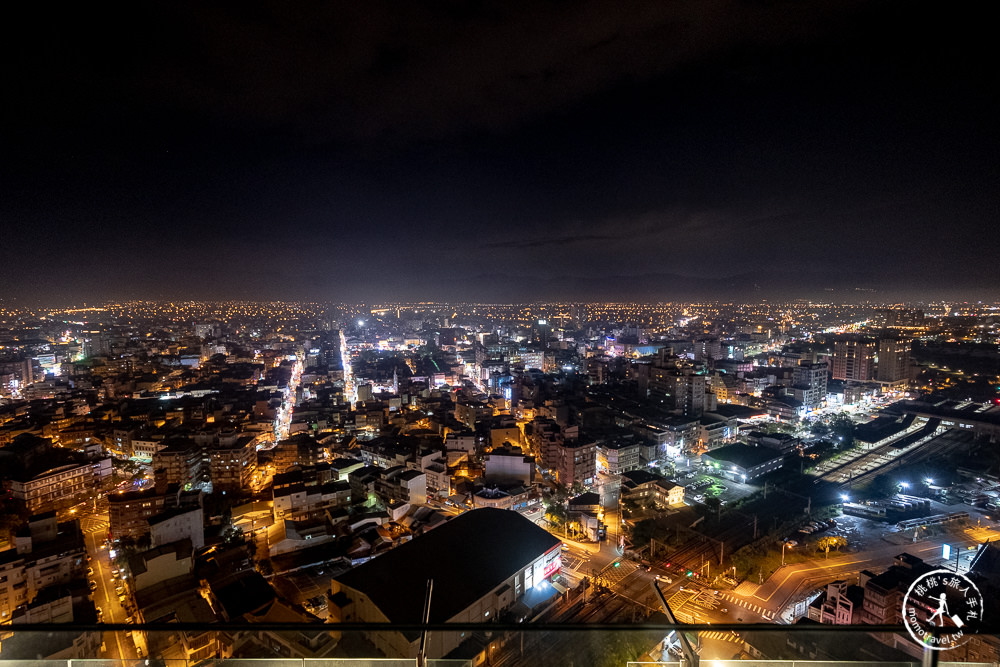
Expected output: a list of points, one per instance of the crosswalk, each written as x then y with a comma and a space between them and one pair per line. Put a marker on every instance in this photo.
721, 635
611, 575
93, 525
755, 608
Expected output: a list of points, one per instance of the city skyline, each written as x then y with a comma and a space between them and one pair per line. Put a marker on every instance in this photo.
510, 333
248, 462
510, 153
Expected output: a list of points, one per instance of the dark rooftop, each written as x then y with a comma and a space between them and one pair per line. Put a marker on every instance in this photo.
743, 455
467, 558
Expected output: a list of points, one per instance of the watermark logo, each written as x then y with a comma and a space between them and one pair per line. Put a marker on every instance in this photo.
939, 607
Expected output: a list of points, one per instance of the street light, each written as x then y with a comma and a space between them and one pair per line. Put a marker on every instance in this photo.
783, 545
905, 485
844, 497
929, 480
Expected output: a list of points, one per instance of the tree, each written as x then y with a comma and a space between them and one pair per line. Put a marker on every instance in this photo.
884, 486
831, 542
555, 508
842, 428
714, 505
819, 428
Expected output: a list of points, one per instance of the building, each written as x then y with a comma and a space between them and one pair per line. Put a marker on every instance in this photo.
904, 318
714, 430
646, 488
742, 463
544, 437
577, 462
853, 359
180, 463
505, 497
300, 450
683, 391
618, 453
143, 449
46, 553
59, 486
509, 465
232, 465
809, 384
174, 525
469, 412
297, 499
129, 513
883, 599
840, 604
45, 477
482, 565
893, 359
68, 605
782, 442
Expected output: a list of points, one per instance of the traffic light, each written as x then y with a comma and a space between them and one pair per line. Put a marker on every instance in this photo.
689, 573
617, 563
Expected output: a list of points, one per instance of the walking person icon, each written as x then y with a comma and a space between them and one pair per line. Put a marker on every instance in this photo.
941, 610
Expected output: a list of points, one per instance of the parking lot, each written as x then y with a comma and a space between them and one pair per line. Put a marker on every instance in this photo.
701, 486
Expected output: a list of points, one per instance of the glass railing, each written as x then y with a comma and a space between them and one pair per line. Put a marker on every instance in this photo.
475, 645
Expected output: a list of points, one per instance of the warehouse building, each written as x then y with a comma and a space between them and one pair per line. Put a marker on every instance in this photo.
483, 563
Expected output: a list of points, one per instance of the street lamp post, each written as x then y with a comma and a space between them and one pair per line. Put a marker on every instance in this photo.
783, 545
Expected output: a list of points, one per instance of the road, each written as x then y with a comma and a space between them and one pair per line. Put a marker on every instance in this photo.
284, 418
791, 581
345, 362
95, 528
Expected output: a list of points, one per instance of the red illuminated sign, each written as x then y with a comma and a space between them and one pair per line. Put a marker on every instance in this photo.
553, 566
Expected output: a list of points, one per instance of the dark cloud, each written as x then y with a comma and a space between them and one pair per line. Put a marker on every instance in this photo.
548, 241
348, 150
356, 71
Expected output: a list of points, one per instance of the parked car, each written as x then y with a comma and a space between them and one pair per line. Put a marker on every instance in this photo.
90, 571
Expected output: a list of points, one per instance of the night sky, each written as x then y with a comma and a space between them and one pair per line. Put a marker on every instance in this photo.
500, 151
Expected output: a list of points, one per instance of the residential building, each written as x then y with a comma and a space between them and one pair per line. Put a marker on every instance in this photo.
809, 384
232, 465
181, 462
647, 488
853, 358
893, 359
883, 600
299, 450
506, 465
577, 462
129, 513
46, 553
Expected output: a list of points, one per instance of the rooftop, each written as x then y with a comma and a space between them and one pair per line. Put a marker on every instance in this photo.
467, 558
744, 456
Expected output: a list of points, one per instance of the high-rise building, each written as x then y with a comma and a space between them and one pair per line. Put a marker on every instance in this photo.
853, 359
903, 318
893, 359
678, 390
809, 384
